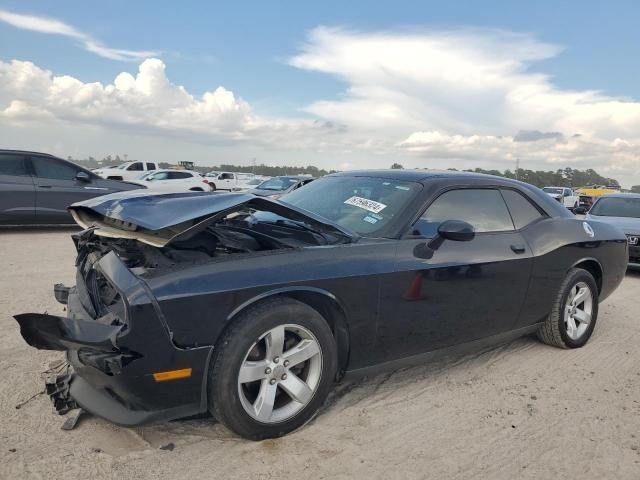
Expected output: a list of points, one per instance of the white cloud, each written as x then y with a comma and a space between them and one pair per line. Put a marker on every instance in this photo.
56, 27
147, 103
463, 94
462, 98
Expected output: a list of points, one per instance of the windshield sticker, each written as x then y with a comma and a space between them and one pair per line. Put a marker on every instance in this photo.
370, 220
376, 216
365, 204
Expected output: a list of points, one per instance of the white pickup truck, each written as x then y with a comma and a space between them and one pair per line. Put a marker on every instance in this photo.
127, 171
564, 195
228, 181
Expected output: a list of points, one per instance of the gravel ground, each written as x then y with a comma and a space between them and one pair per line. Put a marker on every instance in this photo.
522, 410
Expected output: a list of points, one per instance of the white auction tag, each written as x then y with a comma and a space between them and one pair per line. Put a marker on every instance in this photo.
366, 204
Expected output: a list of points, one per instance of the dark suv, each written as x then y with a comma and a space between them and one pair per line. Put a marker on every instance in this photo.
37, 188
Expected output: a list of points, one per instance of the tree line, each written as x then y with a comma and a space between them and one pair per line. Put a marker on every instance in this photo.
563, 177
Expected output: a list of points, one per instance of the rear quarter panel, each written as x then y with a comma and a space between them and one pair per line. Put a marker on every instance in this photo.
558, 244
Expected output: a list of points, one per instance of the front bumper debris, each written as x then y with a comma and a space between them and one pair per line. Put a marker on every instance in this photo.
58, 386
112, 353
61, 293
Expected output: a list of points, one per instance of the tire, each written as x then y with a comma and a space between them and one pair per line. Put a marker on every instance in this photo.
196, 190
558, 329
213, 186
247, 344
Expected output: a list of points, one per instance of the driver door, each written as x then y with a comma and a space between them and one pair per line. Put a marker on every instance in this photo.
467, 290
56, 188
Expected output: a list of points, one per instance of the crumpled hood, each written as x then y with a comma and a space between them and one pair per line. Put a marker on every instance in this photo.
159, 219
628, 224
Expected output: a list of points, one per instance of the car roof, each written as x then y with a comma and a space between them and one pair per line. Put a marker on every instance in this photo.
173, 170
27, 152
620, 195
420, 175
294, 177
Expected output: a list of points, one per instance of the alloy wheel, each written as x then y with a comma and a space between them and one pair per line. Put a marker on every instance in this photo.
578, 310
280, 373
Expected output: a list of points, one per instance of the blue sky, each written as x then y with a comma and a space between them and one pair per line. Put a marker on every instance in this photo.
248, 48
243, 43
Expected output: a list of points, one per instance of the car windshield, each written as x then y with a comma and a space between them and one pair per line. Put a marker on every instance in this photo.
123, 166
364, 205
617, 207
278, 184
557, 191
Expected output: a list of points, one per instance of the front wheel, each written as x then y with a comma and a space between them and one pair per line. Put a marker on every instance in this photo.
575, 311
273, 370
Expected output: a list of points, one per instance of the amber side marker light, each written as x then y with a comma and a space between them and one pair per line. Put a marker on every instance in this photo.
172, 375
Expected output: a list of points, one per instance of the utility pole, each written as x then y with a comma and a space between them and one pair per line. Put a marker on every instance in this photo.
517, 167
254, 166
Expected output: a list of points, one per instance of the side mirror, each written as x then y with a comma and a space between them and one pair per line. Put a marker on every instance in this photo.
83, 177
580, 210
454, 230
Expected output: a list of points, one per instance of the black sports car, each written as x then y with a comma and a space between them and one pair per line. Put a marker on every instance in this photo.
251, 308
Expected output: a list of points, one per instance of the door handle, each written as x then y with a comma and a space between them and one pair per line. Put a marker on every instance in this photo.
44, 186
518, 248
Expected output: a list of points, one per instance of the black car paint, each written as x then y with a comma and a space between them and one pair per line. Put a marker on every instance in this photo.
383, 302
33, 200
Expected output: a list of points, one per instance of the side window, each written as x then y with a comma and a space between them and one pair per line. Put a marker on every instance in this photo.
159, 176
137, 166
484, 209
522, 211
13, 165
178, 175
151, 166
52, 168
226, 176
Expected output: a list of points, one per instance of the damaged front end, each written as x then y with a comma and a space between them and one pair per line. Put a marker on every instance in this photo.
117, 341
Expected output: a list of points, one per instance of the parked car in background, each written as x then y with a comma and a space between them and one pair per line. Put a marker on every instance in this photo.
588, 195
225, 303
127, 171
621, 210
226, 180
36, 188
277, 186
566, 196
174, 181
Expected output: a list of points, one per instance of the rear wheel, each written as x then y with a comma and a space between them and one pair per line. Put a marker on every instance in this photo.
574, 314
213, 186
274, 369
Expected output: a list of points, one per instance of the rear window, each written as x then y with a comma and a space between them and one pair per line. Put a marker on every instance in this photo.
522, 210
617, 207
179, 175
13, 165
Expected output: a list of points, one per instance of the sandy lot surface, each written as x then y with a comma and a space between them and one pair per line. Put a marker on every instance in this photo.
523, 410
